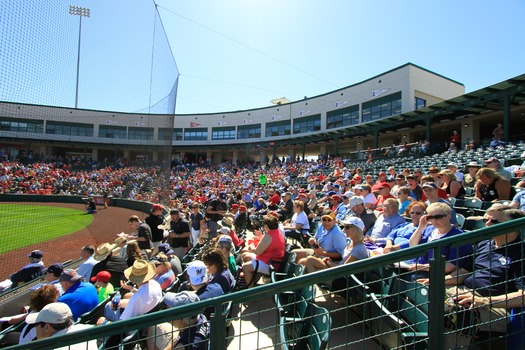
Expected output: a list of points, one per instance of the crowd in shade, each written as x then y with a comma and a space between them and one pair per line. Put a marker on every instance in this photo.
245, 214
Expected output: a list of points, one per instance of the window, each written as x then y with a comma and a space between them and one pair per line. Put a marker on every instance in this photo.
140, 133
278, 128
112, 132
383, 107
307, 124
223, 133
22, 125
196, 134
249, 131
419, 103
342, 117
69, 129
166, 134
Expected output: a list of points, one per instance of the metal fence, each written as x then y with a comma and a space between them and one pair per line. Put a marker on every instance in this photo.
367, 304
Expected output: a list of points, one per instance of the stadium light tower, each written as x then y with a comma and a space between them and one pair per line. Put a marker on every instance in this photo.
80, 12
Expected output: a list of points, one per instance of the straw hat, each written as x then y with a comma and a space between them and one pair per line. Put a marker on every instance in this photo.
141, 271
103, 251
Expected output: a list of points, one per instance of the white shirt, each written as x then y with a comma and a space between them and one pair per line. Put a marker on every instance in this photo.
89, 345
86, 267
300, 218
146, 298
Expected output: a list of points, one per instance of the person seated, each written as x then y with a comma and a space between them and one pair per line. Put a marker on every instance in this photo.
217, 267
110, 260
104, 287
432, 226
404, 199
176, 267
29, 272
80, 296
354, 251
299, 225
399, 237
385, 223
193, 331
225, 246
328, 241
52, 274
144, 294
56, 319
163, 273
91, 206
451, 185
491, 186
241, 220
358, 209
486, 285
269, 250
133, 253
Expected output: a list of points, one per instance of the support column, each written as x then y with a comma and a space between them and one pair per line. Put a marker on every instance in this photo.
506, 118
376, 138
336, 150
304, 150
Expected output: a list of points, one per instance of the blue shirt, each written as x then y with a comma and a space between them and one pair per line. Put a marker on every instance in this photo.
342, 210
383, 226
401, 235
520, 199
80, 297
453, 255
331, 241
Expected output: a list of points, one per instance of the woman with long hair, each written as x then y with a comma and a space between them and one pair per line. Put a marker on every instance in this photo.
491, 186
451, 185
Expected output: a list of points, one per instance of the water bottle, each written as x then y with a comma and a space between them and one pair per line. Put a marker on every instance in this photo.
116, 300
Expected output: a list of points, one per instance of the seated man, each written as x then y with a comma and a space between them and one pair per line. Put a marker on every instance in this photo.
384, 224
81, 297
34, 269
329, 241
55, 319
492, 280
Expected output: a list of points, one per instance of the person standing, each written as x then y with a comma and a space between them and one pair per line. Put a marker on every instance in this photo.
198, 224
179, 236
142, 234
215, 212
154, 220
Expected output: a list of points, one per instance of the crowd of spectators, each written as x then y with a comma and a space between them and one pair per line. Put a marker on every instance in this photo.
334, 214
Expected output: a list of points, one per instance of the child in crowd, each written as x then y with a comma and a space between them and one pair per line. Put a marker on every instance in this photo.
404, 199
104, 288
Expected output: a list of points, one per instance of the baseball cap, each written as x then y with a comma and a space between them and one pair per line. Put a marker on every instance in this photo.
411, 176
359, 187
36, 254
174, 211
335, 197
197, 272
235, 206
55, 313
225, 239
454, 164
382, 173
383, 185
222, 195
353, 221
69, 275
102, 276
165, 248
225, 230
156, 207
430, 185
355, 200
55, 269
330, 193
179, 299
492, 160
473, 165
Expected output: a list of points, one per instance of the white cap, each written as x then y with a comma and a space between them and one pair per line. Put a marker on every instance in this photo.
197, 272
353, 221
51, 313
355, 200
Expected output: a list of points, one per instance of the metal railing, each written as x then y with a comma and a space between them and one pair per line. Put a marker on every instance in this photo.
434, 339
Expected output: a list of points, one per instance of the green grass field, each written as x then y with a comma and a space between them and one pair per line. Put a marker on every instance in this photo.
23, 225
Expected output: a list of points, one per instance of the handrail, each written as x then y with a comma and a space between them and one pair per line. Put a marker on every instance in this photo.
217, 332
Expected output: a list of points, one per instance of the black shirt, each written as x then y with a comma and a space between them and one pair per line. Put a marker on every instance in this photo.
179, 227
153, 222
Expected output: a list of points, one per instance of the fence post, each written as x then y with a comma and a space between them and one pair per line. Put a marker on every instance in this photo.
218, 328
436, 308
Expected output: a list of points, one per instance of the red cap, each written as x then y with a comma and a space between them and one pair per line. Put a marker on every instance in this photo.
242, 208
336, 197
382, 173
383, 185
274, 213
302, 195
102, 276
235, 206
156, 207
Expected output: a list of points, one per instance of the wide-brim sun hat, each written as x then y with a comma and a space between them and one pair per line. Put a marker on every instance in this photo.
141, 271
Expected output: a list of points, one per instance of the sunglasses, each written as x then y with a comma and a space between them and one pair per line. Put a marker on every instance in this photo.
492, 221
436, 217
326, 219
416, 213
348, 227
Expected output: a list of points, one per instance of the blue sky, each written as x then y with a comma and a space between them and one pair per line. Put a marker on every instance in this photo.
240, 54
